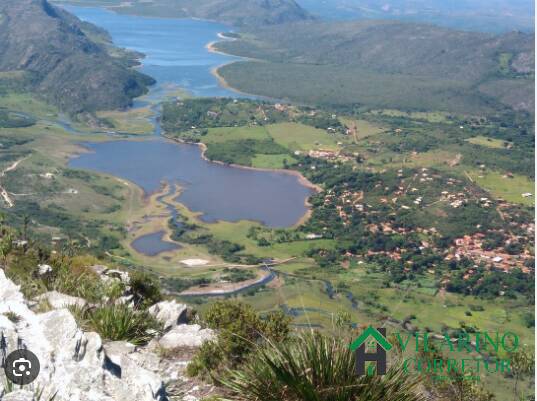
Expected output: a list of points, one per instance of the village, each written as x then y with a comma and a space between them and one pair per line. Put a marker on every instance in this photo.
423, 191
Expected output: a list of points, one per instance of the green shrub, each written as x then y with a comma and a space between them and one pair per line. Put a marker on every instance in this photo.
22, 269
118, 323
240, 330
313, 367
76, 281
275, 326
207, 359
238, 325
145, 289
13, 317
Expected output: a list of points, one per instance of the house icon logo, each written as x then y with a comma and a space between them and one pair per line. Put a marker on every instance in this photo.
370, 338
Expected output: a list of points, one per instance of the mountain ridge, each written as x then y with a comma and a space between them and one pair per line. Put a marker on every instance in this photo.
60, 63
240, 13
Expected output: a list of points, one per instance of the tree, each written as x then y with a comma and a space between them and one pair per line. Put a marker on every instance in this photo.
522, 364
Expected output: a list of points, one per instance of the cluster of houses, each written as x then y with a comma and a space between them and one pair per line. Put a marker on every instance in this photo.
346, 199
471, 247
329, 155
349, 202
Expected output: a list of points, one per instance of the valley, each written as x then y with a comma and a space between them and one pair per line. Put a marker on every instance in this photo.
407, 205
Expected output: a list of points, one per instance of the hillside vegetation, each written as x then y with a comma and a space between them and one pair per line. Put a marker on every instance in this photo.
234, 12
473, 15
46, 50
385, 64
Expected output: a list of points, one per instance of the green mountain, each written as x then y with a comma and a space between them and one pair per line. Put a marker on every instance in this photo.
48, 51
473, 15
234, 12
385, 64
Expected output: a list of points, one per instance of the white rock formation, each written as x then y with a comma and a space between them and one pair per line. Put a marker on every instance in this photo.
19, 395
44, 269
58, 300
74, 364
110, 275
185, 335
170, 313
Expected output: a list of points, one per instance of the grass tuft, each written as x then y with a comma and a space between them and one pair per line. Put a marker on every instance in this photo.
118, 323
314, 367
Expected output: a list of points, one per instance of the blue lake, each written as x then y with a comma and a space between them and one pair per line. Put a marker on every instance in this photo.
153, 244
175, 49
177, 54
219, 192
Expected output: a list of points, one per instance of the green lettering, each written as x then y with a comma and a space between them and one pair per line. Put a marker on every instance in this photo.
505, 363
464, 365
447, 341
478, 364
514, 342
464, 342
426, 342
495, 345
406, 363
404, 344
487, 366
438, 365
477, 341
451, 365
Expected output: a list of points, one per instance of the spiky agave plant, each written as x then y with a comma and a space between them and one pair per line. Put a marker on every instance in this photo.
313, 367
118, 322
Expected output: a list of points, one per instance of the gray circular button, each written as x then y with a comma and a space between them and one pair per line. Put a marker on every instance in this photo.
22, 367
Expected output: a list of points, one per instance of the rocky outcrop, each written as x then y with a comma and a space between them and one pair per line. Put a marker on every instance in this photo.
170, 313
108, 275
185, 335
58, 300
79, 366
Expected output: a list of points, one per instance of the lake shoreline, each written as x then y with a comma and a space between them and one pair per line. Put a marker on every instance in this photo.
301, 179
215, 71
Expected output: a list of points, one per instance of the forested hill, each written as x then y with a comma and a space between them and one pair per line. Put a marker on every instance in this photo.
483, 68
235, 12
473, 15
46, 50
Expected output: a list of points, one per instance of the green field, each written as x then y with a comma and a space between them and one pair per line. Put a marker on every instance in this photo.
364, 128
301, 137
28, 104
289, 137
219, 135
432, 116
510, 189
272, 161
488, 142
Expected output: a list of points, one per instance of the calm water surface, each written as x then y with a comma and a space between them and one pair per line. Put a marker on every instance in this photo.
153, 244
174, 48
176, 54
219, 192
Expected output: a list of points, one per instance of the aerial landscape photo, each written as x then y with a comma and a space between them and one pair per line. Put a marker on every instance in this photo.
267, 200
